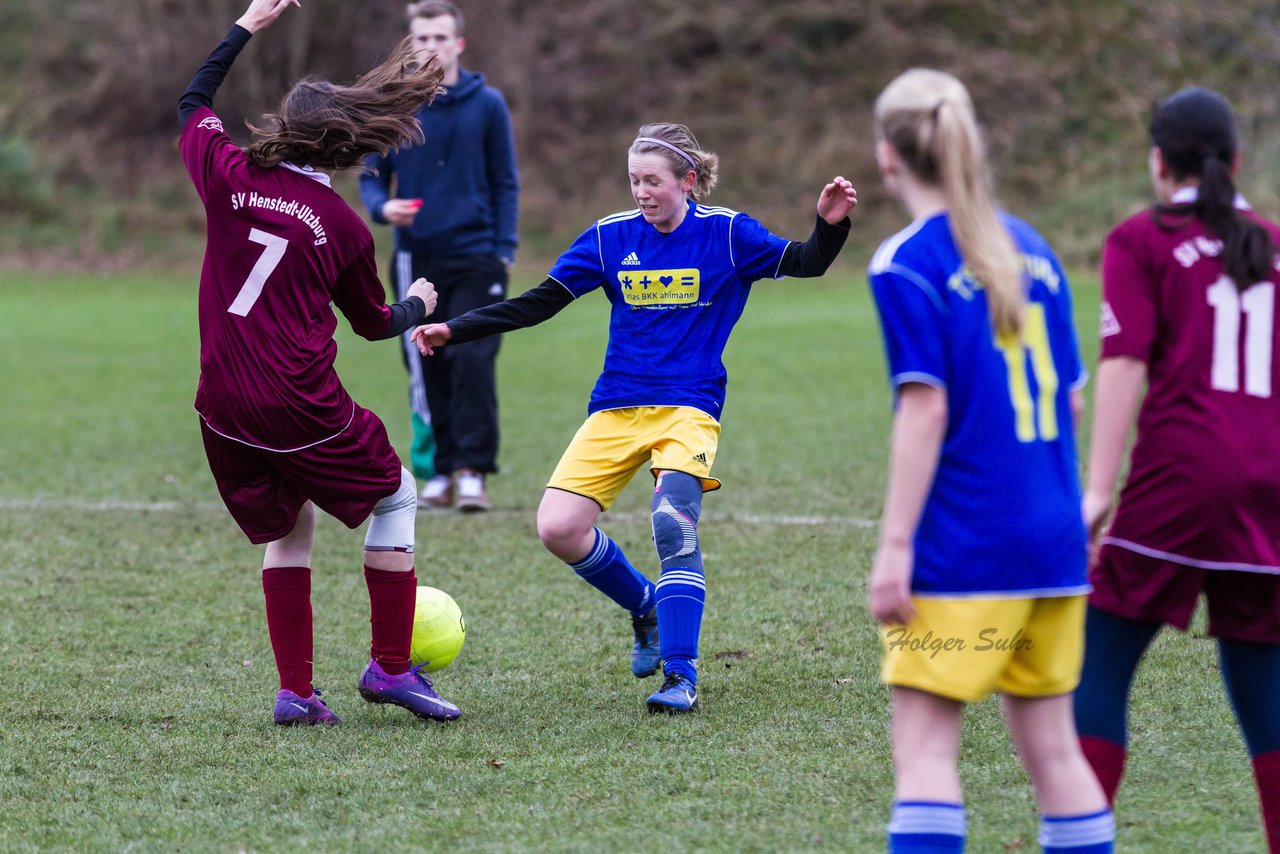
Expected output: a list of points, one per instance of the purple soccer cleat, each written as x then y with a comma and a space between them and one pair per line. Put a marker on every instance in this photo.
411, 689
292, 710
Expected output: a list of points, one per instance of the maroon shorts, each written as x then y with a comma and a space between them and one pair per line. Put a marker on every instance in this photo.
345, 477
1243, 606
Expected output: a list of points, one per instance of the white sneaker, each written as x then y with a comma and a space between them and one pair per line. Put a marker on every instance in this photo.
437, 493
472, 497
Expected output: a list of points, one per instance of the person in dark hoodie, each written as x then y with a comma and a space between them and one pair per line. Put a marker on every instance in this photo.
453, 202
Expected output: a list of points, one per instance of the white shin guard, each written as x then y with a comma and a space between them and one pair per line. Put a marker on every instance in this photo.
391, 526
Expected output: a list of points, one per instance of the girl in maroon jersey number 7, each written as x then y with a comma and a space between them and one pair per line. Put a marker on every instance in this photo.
281, 433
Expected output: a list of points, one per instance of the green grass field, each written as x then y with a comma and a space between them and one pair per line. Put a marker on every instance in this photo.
139, 677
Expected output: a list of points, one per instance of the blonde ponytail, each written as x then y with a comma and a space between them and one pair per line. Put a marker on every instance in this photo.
928, 118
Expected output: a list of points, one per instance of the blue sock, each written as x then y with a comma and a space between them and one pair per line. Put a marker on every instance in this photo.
1113, 646
681, 594
1251, 674
1094, 833
607, 569
926, 827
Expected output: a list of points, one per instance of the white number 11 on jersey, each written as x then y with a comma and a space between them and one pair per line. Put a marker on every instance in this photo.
252, 287
1256, 303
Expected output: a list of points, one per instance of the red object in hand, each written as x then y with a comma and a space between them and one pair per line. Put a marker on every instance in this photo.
417, 203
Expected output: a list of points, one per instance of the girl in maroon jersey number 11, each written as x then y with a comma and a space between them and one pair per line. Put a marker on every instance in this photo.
1189, 316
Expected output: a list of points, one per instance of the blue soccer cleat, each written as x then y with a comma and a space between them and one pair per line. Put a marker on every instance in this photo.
645, 657
410, 690
676, 696
292, 710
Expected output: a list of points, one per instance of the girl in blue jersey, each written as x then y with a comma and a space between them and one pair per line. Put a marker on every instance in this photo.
979, 577
677, 275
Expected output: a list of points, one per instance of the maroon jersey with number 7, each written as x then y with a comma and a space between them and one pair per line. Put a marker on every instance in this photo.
283, 249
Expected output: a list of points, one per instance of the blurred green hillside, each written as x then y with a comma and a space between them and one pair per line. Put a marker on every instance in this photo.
89, 173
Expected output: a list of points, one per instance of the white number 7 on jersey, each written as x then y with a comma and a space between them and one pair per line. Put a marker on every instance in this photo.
252, 288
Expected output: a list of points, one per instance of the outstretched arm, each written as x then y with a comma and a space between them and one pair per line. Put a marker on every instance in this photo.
529, 309
814, 256
201, 89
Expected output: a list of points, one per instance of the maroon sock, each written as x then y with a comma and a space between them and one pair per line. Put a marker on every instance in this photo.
392, 597
288, 593
1266, 773
1107, 760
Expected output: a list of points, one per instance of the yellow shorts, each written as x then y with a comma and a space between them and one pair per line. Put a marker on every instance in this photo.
611, 445
964, 649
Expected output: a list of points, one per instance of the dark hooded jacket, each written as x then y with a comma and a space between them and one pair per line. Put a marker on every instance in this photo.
465, 174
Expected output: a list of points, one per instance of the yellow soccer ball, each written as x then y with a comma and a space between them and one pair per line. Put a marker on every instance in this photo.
438, 630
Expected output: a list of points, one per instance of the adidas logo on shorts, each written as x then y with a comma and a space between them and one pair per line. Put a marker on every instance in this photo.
700, 458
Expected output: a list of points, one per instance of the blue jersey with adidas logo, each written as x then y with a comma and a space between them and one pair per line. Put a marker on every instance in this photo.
675, 298
1003, 514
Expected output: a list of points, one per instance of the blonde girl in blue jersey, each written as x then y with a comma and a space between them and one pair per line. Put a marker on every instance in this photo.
979, 576
677, 274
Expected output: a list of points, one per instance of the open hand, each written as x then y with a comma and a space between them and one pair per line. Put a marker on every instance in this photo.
430, 336
836, 200
263, 13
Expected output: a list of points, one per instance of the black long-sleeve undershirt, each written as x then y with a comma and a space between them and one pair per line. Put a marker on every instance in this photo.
209, 77
529, 309
802, 260
404, 316
813, 257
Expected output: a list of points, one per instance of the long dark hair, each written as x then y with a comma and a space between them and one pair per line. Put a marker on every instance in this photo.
329, 126
1196, 134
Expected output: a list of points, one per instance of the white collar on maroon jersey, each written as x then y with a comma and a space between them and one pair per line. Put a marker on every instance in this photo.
1187, 195
310, 173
